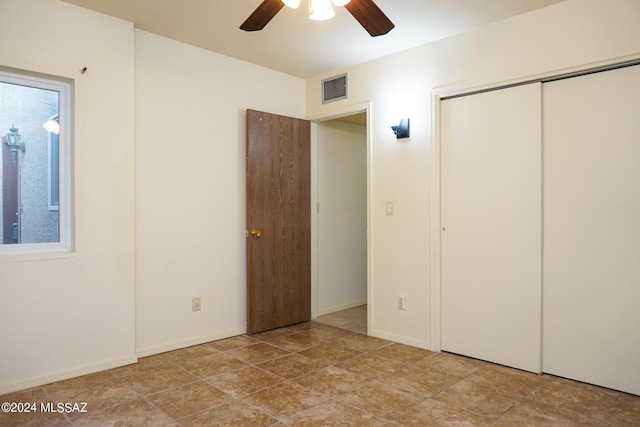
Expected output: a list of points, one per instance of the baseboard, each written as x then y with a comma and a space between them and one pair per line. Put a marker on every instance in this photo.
65, 375
400, 339
329, 310
177, 345
115, 363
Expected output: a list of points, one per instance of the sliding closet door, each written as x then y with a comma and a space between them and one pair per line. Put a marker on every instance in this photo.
591, 316
491, 218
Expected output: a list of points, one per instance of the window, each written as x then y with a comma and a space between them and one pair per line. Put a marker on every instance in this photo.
35, 163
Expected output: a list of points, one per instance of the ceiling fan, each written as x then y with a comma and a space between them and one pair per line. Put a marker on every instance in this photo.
365, 11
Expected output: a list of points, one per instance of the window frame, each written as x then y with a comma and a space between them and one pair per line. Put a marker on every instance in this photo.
64, 87
53, 171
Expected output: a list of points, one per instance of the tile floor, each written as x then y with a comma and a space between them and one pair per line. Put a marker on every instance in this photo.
322, 373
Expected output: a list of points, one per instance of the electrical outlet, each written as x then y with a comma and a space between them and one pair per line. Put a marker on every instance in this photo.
195, 304
402, 302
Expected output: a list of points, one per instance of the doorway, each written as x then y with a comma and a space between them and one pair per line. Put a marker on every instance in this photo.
340, 221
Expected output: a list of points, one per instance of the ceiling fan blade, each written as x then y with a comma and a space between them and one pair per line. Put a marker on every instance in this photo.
369, 15
262, 15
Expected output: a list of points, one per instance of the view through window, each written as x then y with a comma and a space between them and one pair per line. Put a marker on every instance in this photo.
32, 170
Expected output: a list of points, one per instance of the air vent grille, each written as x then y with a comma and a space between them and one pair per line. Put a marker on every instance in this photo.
334, 88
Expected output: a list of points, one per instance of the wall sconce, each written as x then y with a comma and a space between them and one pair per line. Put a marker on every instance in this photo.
14, 141
402, 130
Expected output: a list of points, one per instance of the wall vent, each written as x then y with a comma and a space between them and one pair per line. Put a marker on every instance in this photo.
334, 88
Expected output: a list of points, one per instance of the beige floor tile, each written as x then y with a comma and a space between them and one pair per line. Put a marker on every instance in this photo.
244, 381
85, 381
155, 380
438, 414
337, 320
625, 412
33, 418
363, 342
332, 414
420, 381
272, 334
305, 326
506, 379
189, 399
330, 352
233, 342
136, 413
291, 365
530, 412
97, 390
359, 326
257, 353
327, 333
344, 316
330, 320
285, 399
214, 364
233, 414
60, 424
382, 401
144, 364
332, 381
452, 364
371, 366
296, 342
574, 397
403, 353
476, 398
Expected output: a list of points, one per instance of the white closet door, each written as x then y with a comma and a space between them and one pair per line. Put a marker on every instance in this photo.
491, 218
591, 303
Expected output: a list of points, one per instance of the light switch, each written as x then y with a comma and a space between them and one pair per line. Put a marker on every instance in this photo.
388, 207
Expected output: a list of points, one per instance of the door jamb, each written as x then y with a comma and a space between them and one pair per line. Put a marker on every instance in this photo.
347, 111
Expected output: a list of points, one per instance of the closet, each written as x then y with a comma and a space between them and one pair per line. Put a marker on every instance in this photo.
491, 218
540, 214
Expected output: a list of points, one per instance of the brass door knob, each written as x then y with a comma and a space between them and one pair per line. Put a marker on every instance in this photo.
256, 233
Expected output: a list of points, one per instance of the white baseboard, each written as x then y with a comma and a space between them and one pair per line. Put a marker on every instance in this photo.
65, 375
177, 345
114, 363
329, 310
400, 339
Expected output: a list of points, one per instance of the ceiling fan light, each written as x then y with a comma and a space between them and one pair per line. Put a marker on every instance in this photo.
293, 4
320, 10
340, 2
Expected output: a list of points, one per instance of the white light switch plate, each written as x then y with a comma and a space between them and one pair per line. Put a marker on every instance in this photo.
389, 208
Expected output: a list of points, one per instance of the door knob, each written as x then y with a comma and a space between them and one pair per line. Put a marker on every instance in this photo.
256, 233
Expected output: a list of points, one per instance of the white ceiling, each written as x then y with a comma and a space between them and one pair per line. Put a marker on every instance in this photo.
295, 45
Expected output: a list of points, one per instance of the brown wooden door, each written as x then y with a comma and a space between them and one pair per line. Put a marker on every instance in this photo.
278, 221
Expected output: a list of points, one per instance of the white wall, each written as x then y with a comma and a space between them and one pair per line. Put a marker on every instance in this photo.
570, 34
190, 187
342, 220
62, 316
